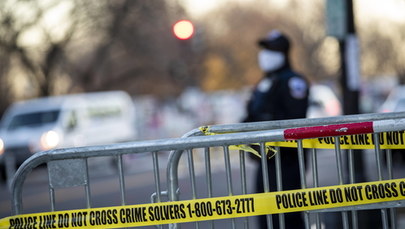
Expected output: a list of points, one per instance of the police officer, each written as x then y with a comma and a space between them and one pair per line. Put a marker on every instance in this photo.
281, 94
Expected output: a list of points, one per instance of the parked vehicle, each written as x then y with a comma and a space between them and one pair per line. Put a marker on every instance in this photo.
395, 101
46, 123
323, 102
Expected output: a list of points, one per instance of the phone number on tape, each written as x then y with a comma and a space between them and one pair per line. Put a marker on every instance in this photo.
221, 207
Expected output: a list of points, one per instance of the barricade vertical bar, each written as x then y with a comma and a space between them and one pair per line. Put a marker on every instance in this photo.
229, 177
351, 166
279, 182
388, 153
172, 174
51, 194
278, 170
208, 171
157, 179
315, 177
52, 198
301, 162
192, 178
87, 186
121, 179
355, 224
243, 171
378, 156
156, 176
393, 212
263, 159
315, 174
266, 185
243, 181
172, 179
228, 171
191, 172
339, 161
208, 176
376, 137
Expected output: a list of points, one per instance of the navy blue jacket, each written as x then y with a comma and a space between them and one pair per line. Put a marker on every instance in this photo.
279, 95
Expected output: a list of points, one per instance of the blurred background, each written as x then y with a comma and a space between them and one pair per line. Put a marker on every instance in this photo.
56, 47
63, 47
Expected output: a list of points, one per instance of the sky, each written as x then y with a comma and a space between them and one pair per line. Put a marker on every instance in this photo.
392, 10
200, 7
388, 9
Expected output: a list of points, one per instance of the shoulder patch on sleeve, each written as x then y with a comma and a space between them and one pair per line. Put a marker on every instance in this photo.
298, 87
265, 85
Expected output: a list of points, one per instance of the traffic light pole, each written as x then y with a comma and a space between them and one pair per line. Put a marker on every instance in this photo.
341, 25
349, 49
350, 80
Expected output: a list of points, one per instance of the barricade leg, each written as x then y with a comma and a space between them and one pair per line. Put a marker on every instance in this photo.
10, 164
315, 177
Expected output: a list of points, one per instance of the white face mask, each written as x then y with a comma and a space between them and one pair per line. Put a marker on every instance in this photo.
270, 60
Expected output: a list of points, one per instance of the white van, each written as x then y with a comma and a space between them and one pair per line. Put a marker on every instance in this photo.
41, 124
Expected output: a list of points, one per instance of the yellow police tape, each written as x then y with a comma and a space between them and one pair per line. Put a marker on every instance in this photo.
214, 208
387, 140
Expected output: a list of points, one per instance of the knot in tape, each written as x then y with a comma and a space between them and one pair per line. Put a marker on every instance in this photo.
206, 131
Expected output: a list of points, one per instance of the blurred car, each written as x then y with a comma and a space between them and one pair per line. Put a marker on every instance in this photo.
395, 101
64, 121
323, 102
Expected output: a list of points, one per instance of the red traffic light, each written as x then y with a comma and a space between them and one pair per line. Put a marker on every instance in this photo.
183, 29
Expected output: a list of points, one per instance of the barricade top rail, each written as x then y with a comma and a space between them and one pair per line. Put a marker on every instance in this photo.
282, 124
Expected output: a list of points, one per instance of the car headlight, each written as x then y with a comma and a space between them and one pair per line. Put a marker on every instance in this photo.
49, 140
1, 147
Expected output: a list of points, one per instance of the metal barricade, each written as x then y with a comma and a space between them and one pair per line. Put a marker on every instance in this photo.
215, 167
345, 171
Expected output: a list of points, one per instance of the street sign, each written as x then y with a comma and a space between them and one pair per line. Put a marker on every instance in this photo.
336, 19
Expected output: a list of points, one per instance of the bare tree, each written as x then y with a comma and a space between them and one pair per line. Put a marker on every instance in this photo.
41, 64
5, 94
127, 44
233, 34
230, 55
234, 28
382, 50
99, 45
134, 51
